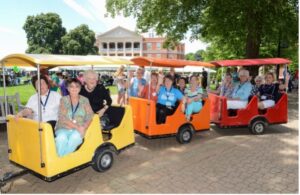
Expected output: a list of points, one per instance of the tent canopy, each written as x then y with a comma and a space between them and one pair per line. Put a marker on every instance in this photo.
159, 62
251, 62
51, 61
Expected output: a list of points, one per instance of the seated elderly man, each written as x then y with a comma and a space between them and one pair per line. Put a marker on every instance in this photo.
241, 92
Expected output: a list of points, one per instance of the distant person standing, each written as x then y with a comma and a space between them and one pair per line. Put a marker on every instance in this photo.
121, 84
204, 79
55, 82
63, 86
288, 79
80, 78
235, 75
137, 83
175, 76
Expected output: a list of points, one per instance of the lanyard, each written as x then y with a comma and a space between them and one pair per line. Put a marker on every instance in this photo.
168, 93
44, 104
74, 109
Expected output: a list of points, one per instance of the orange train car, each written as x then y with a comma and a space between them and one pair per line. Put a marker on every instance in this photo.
144, 110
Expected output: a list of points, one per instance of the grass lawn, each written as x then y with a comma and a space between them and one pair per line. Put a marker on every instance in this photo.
25, 91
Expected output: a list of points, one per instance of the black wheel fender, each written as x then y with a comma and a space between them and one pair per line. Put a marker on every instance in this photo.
109, 145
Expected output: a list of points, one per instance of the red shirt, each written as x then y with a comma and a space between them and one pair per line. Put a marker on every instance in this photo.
153, 93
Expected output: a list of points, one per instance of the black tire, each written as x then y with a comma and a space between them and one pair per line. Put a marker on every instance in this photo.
184, 135
103, 159
257, 127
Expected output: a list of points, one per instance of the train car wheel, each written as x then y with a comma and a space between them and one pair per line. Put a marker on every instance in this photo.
184, 135
103, 159
257, 127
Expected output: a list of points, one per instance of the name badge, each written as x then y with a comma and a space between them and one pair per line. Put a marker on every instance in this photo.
168, 104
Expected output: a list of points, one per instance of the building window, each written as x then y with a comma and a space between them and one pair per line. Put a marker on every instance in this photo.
136, 45
128, 45
149, 46
158, 46
104, 45
158, 55
112, 46
120, 46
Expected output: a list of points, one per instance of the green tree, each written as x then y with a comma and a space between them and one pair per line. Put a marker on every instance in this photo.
234, 28
80, 41
190, 56
44, 32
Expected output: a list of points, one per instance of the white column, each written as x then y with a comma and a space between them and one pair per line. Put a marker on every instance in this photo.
132, 48
141, 48
107, 52
124, 48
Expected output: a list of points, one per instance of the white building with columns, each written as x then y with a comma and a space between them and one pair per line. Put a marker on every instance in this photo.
120, 42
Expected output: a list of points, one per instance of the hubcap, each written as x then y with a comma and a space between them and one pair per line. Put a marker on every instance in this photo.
186, 135
105, 160
259, 128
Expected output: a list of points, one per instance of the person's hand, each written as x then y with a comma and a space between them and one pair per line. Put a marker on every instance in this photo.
101, 112
189, 100
81, 130
17, 116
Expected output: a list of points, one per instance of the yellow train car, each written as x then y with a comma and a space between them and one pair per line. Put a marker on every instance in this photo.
31, 144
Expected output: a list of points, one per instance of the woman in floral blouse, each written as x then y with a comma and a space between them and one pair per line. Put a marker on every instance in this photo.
75, 115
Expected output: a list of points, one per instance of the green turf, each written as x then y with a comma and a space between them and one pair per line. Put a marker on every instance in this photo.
113, 90
25, 91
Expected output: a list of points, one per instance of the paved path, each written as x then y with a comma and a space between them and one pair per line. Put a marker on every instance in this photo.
216, 161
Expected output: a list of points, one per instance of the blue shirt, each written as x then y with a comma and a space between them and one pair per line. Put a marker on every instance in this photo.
242, 91
134, 89
168, 98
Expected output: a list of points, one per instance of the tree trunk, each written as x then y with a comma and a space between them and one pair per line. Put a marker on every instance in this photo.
254, 28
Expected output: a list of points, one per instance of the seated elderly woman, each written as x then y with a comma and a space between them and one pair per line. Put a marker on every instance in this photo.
75, 115
241, 92
226, 88
144, 92
268, 93
193, 95
49, 103
168, 95
259, 80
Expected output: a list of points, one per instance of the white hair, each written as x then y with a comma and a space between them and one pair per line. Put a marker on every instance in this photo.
244, 72
258, 77
90, 72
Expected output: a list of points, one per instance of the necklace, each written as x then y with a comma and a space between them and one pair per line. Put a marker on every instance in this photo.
74, 110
